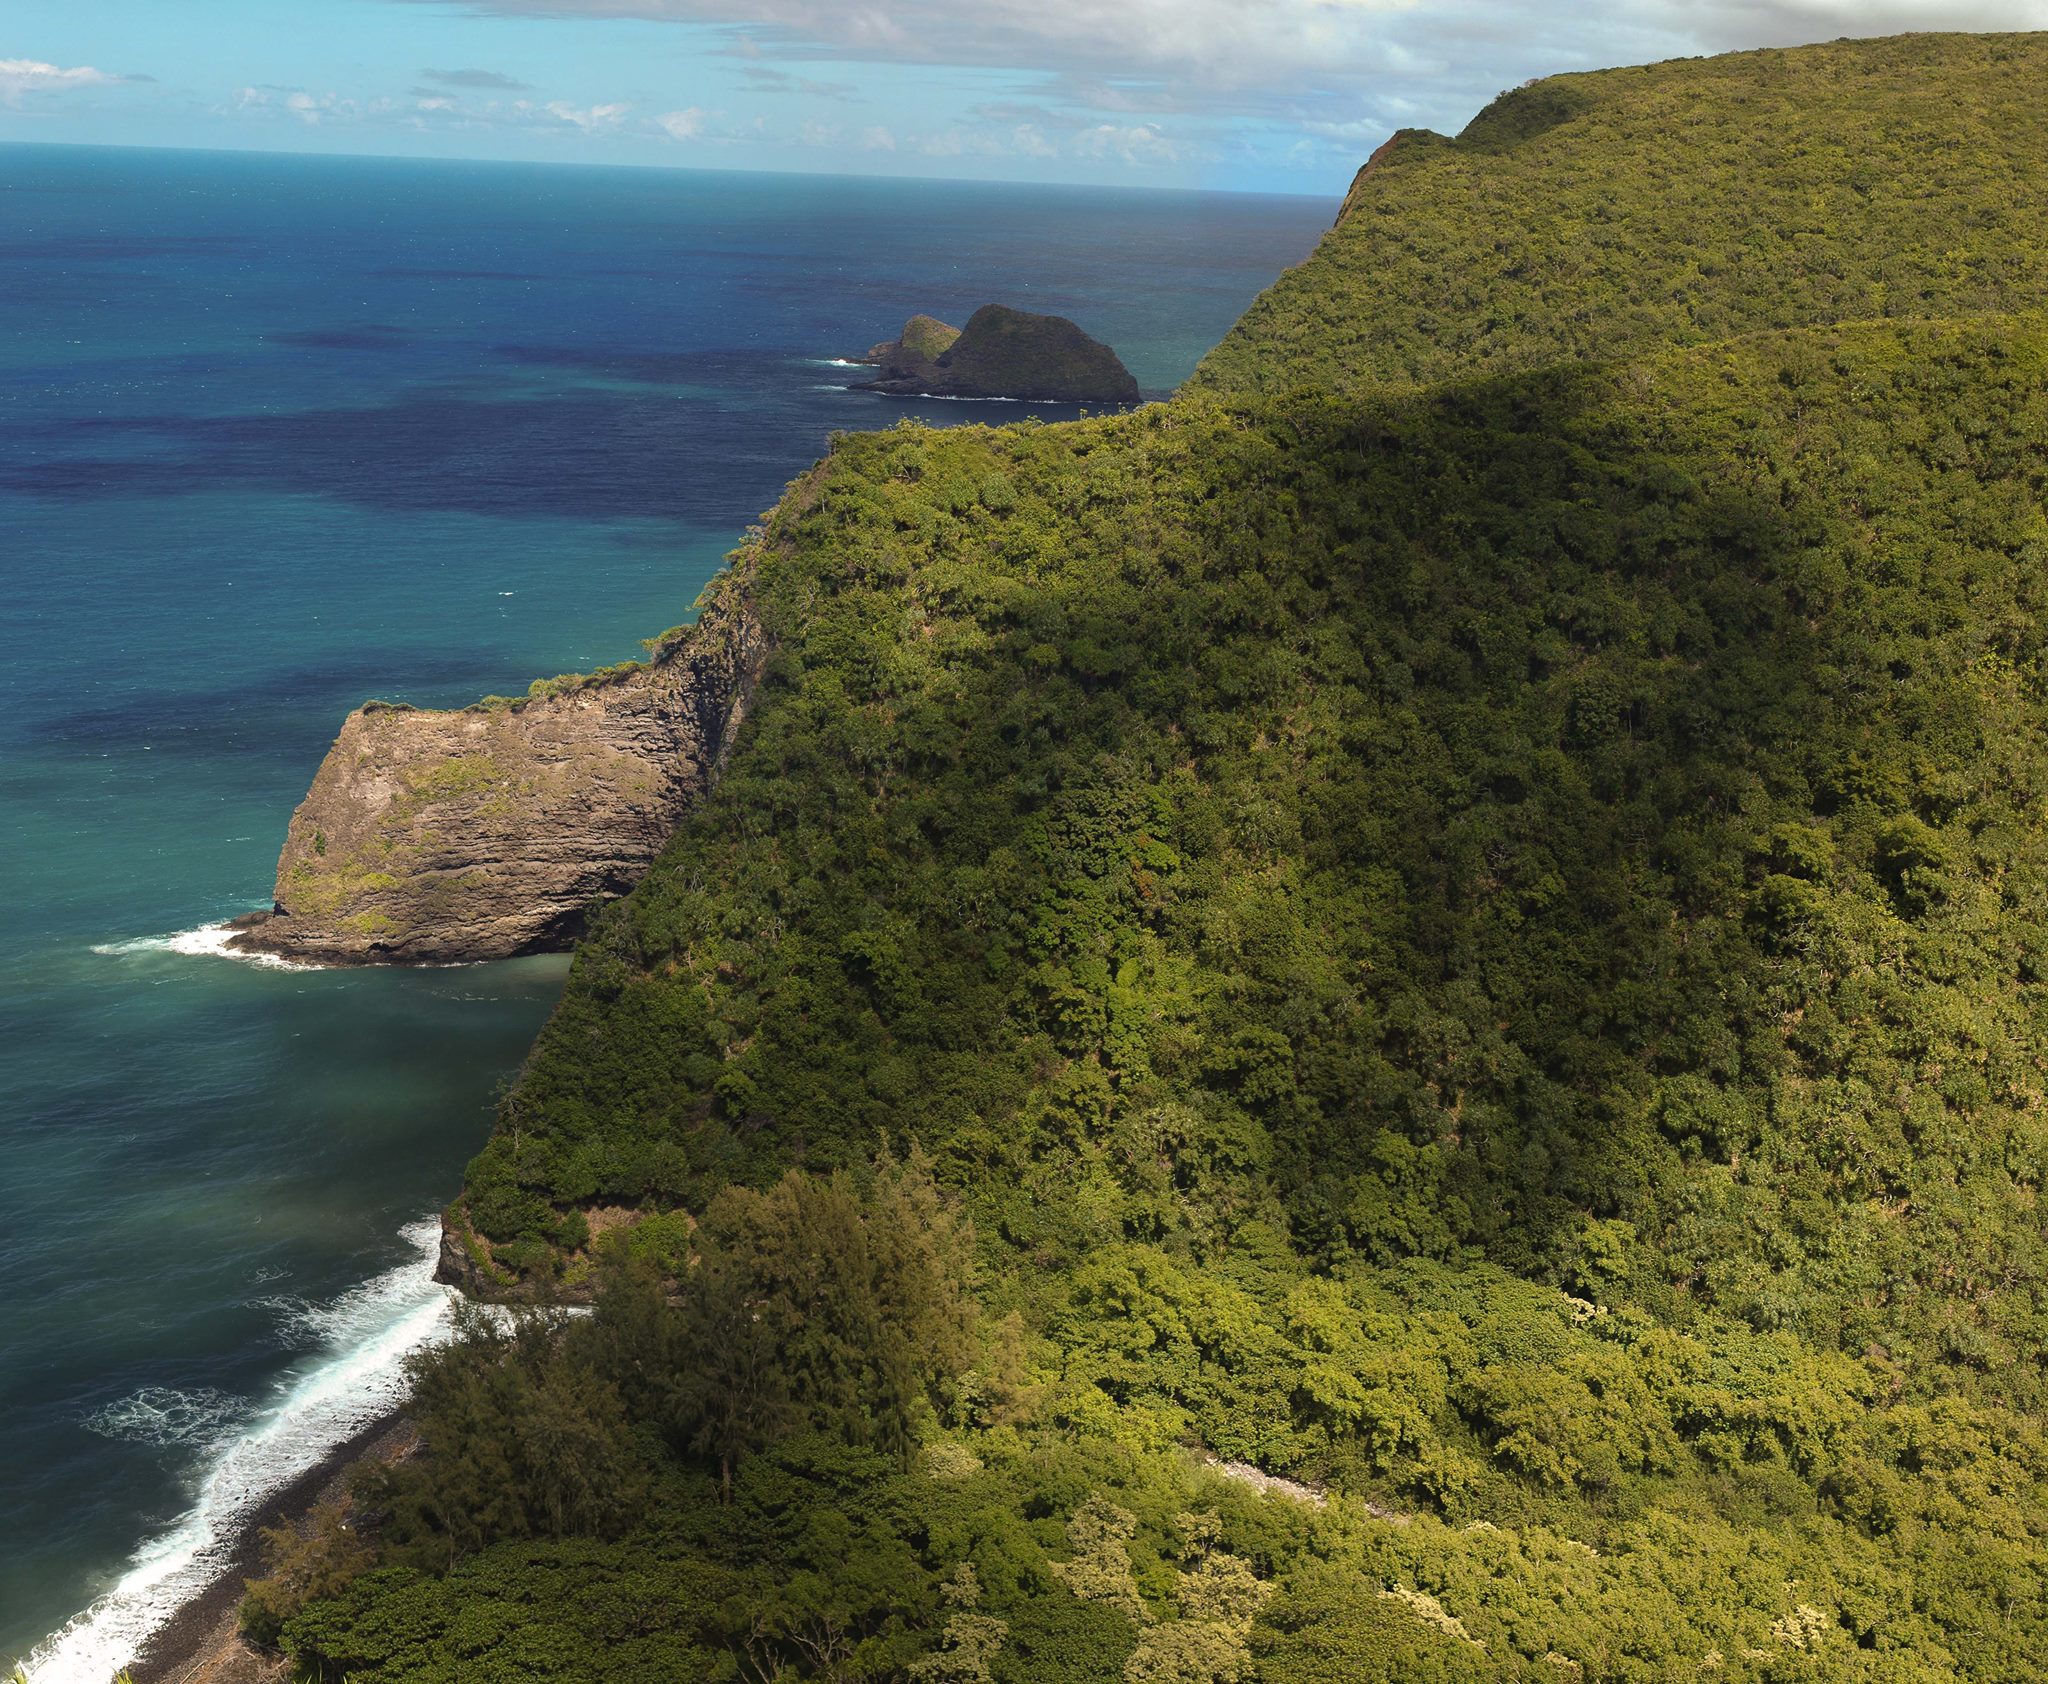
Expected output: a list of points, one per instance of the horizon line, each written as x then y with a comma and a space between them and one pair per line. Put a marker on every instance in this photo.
672, 169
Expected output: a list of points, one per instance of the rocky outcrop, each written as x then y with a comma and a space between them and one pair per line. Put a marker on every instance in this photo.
1001, 353
922, 342
434, 838
462, 1260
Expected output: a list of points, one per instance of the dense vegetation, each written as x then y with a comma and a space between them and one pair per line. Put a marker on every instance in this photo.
1673, 204
1465, 926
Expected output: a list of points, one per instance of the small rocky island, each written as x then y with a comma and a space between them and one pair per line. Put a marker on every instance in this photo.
1001, 353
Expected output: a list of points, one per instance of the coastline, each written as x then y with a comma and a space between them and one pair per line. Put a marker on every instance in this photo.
201, 1643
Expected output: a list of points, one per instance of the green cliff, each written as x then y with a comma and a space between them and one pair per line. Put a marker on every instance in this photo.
927, 338
1458, 916
923, 341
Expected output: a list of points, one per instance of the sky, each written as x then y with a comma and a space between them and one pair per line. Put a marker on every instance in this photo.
1280, 96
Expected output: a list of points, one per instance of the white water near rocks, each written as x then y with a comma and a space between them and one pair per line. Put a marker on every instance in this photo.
357, 1376
207, 941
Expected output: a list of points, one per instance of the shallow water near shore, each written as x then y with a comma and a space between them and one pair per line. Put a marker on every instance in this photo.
277, 435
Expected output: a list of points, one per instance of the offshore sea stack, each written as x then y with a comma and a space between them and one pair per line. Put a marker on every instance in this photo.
1001, 353
437, 838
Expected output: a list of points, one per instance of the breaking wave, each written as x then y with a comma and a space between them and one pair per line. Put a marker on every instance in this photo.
208, 941
356, 1378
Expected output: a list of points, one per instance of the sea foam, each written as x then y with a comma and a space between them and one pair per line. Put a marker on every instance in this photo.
208, 941
356, 1378
163, 1415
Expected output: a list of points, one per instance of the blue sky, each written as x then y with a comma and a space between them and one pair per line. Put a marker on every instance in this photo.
1260, 95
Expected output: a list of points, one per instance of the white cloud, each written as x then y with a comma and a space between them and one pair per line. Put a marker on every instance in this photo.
20, 76
1364, 132
590, 118
1150, 86
1138, 144
686, 124
1141, 146
427, 112
310, 109
1436, 60
1028, 141
1764, 23
1217, 40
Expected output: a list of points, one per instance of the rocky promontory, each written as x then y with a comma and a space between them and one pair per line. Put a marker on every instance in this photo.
436, 837
1001, 353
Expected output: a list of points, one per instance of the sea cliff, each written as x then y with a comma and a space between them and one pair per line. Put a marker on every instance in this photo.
1454, 914
435, 837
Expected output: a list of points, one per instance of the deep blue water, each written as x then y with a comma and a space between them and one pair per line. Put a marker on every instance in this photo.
276, 435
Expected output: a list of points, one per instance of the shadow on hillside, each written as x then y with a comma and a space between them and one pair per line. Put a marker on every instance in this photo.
1444, 737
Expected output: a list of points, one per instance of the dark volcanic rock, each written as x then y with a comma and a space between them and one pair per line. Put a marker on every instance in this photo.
1002, 353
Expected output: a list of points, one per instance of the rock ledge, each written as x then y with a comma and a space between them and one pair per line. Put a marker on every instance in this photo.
440, 838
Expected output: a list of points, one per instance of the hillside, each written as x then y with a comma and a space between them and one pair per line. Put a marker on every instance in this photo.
1459, 914
1672, 204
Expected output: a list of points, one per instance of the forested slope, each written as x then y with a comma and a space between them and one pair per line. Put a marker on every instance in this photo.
1677, 203
1460, 914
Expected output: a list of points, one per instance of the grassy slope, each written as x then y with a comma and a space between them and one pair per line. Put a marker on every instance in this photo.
1479, 940
927, 338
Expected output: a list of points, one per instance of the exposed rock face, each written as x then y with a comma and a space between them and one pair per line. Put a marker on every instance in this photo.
457, 1264
1001, 353
430, 838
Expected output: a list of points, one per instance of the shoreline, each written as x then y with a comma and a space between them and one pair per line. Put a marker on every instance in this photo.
202, 1641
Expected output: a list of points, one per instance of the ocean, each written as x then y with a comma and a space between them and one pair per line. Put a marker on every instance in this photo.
277, 435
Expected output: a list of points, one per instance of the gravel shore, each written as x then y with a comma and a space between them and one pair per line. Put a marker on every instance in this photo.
201, 1644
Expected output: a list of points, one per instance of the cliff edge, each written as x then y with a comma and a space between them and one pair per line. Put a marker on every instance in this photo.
438, 837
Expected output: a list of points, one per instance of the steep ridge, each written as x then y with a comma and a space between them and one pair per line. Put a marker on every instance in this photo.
1462, 908
431, 838
1671, 204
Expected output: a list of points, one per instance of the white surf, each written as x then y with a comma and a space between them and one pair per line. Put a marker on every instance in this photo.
208, 941
357, 1377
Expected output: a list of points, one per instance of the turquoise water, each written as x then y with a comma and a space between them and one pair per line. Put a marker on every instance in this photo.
277, 435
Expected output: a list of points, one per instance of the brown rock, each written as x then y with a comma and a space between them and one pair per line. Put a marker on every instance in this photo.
456, 1266
434, 838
